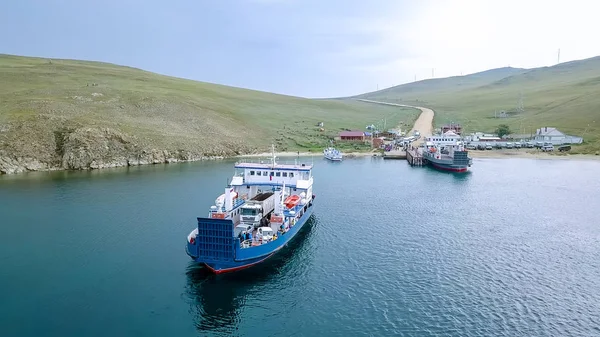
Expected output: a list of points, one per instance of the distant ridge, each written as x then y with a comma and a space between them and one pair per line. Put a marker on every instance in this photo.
445, 83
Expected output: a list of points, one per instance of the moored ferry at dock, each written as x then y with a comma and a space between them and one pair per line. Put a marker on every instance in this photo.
446, 152
264, 206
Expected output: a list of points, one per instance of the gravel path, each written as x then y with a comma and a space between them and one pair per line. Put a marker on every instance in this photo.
423, 124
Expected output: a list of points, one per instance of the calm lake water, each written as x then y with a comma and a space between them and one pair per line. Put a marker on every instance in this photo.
510, 249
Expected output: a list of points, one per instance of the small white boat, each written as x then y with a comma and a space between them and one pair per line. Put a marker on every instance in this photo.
332, 154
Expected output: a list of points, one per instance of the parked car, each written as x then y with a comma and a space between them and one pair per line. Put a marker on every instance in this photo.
488, 146
480, 147
548, 148
539, 145
530, 145
499, 145
518, 145
509, 145
471, 147
564, 148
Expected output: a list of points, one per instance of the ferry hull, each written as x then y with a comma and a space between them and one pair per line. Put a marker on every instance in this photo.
222, 253
460, 163
447, 167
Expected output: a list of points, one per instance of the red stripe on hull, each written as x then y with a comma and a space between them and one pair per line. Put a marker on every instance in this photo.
448, 168
228, 270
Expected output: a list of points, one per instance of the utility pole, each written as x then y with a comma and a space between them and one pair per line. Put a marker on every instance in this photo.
558, 60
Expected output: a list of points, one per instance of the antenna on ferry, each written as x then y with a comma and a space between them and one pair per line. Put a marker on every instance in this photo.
273, 150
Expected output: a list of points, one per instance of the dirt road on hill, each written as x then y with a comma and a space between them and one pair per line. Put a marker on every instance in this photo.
423, 124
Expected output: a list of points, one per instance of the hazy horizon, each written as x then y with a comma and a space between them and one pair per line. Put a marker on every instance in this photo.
304, 48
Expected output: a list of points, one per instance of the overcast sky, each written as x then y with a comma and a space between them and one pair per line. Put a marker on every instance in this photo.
310, 48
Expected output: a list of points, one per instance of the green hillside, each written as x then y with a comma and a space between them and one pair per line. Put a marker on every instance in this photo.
79, 114
564, 96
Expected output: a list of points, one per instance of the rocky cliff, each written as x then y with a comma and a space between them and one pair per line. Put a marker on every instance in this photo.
82, 148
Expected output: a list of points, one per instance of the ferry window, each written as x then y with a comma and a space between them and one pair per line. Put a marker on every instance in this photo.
291, 174
278, 174
284, 174
271, 173
251, 173
265, 173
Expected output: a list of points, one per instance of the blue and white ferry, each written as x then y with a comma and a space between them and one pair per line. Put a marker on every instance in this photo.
262, 209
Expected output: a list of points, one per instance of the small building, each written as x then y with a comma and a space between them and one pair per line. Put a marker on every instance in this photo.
552, 135
452, 127
352, 135
378, 142
489, 139
387, 134
482, 137
547, 134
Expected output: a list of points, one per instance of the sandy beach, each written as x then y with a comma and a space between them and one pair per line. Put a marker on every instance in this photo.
291, 154
493, 154
532, 154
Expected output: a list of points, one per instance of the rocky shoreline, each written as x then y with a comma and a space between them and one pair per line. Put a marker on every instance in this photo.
97, 148
89, 148
14, 165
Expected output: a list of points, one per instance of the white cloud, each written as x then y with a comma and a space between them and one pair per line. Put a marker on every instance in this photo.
465, 36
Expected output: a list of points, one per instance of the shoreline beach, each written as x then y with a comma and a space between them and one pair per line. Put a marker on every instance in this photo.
493, 154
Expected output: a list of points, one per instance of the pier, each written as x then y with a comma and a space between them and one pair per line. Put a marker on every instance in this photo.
414, 157
394, 154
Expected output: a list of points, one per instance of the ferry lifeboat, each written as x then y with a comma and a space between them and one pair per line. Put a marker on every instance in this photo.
291, 201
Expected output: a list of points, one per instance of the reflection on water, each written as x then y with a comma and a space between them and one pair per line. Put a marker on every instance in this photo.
216, 300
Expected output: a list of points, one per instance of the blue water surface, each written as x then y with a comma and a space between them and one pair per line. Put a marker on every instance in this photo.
511, 248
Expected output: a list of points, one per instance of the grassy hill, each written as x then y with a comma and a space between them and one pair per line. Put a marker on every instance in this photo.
76, 114
563, 96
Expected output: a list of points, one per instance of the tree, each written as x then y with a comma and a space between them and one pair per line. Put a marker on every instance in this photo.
503, 130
